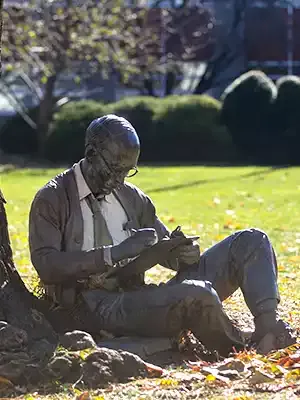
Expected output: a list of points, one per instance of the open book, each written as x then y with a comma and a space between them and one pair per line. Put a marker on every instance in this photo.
156, 254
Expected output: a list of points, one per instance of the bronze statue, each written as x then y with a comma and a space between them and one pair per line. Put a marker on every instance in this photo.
87, 222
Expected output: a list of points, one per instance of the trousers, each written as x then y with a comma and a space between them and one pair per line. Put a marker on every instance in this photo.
193, 298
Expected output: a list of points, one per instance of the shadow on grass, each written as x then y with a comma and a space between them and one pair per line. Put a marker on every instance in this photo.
204, 181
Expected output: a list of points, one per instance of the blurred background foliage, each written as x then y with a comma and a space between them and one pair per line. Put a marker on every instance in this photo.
65, 60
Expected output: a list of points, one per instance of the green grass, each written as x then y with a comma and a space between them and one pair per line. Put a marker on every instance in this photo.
209, 201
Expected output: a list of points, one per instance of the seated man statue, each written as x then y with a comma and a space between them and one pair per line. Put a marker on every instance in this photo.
87, 221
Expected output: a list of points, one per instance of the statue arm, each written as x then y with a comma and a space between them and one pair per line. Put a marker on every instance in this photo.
160, 227
151, 220
54, 265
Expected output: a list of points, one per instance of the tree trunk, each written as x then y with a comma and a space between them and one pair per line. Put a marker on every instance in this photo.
16, 300
207, 80
149, 87
45, 115
227, 49
170, 82
1, 7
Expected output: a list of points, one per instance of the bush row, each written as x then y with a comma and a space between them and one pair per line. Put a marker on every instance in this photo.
263, 117
172, 129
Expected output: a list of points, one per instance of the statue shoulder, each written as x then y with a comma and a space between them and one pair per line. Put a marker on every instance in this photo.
134, 190
58, 187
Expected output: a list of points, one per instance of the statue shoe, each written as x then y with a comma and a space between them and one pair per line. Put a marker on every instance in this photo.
280, 337
218, 333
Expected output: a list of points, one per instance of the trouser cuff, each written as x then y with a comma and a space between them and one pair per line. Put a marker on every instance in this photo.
265, 306
264, 323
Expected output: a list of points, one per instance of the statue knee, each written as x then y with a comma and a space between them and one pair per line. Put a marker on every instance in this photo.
247, 243
201, 291
252, 236
192, 297
251, 248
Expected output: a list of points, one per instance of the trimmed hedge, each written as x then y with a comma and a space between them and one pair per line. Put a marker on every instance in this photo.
263, 118
140, 111
247, 112
66, 139
257, 121
287, 118
187, 128
286, 105
176, 128
18, 137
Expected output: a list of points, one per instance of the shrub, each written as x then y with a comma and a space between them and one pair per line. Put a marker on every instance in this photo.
71, 122
140, 111
247, 112
188, 129
18, 137
66, 139
286, 117
286, 106
176, 128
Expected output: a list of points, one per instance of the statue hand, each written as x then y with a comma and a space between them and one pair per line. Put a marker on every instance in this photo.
134, 245
189, 254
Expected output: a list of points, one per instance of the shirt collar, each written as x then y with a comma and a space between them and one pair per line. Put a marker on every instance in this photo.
83, 189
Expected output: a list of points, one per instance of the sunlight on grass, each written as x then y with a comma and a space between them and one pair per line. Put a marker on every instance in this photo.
208, 201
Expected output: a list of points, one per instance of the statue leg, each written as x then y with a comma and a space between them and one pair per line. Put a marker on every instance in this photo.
243, 260
166, 310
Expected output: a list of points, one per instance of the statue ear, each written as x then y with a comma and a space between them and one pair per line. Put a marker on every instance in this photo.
89, 152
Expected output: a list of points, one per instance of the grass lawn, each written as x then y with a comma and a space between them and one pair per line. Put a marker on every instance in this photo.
209, 201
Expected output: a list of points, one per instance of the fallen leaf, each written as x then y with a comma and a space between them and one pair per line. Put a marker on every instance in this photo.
293, 374
210, 378
260, 377
230, 373
213, 372
289, 360
5, 382
276, 369
232, 364
217, 377
168, 382
83, 396
245, 356
154, 370
197, 365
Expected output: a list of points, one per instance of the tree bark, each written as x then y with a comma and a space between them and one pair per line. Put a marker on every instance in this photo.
226, 51
149, 86
45, 115
10, 281
170, 82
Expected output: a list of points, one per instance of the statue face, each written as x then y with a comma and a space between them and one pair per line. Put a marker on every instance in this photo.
110, 164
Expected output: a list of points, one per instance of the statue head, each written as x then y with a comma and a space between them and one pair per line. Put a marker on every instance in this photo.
112, 149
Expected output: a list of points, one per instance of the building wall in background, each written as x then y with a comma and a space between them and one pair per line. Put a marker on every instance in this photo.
272, 38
